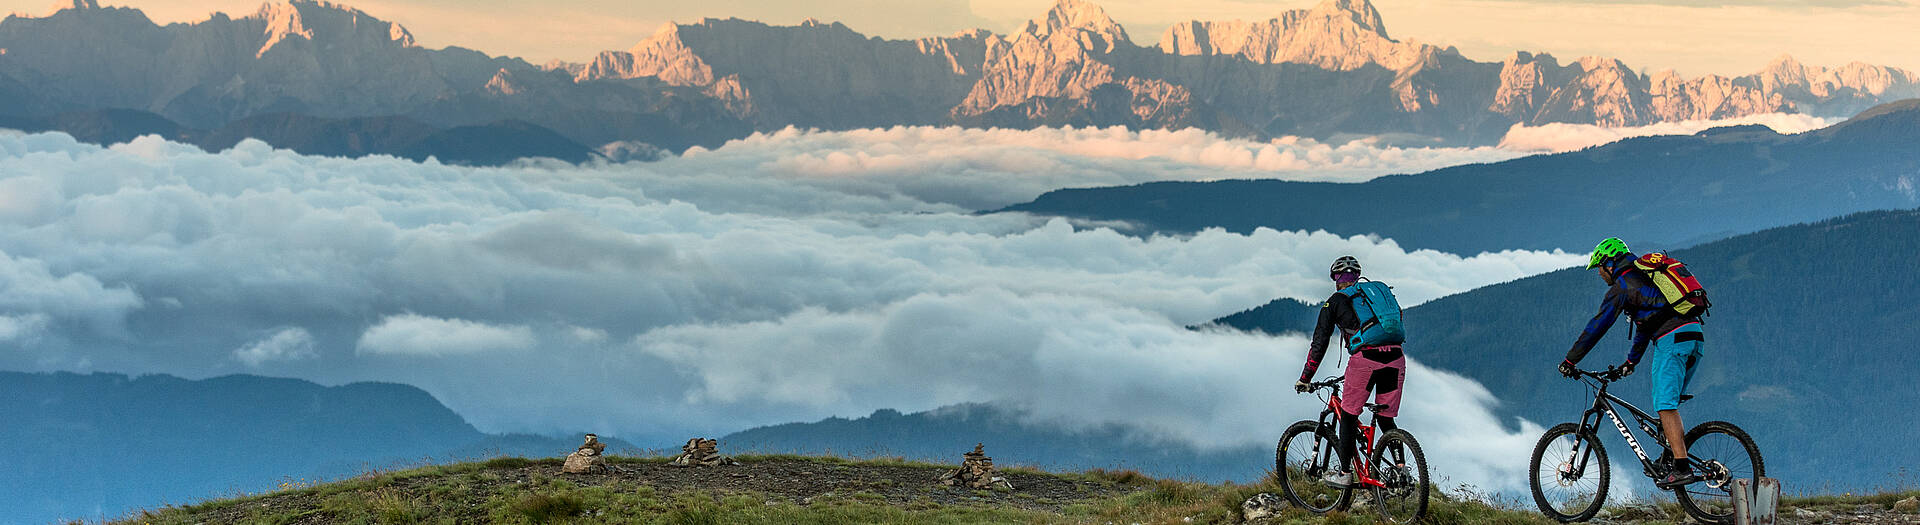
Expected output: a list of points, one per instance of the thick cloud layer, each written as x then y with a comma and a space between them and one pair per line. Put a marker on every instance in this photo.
553, 298
1558, 137
971, 169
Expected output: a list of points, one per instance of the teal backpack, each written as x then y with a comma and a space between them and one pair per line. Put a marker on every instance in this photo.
1379, 315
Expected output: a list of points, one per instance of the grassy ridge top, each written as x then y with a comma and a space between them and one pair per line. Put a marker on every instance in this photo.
786, 489
763, 489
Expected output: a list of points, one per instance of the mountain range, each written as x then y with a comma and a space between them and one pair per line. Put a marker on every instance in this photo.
1666, 191
1328, 71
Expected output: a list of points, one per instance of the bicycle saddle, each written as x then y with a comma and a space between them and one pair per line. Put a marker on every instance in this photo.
1686, 397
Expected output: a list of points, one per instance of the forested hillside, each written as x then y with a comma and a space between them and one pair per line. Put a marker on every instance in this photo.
1808, 343
1668, 190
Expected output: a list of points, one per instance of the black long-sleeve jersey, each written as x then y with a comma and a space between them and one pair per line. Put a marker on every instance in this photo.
1336, 313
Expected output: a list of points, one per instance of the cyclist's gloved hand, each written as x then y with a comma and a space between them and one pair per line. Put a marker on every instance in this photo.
1301, 386
1626, 369
1567, 369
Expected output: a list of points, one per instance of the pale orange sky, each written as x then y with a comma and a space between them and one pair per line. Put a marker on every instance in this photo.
1731, 37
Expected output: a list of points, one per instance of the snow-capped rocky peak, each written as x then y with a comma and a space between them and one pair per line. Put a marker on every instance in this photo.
1087, 19
1361, 12
312, 19
1341, 35
283, 22
664, 55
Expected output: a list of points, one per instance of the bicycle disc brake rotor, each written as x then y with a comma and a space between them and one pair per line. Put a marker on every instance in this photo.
1567, 474
1717, 474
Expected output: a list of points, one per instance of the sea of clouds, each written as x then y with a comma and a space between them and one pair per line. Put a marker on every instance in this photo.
948, 169
786, 277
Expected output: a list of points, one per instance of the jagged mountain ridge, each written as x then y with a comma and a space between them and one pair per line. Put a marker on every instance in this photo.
323, 60
1322, 71
1325, 71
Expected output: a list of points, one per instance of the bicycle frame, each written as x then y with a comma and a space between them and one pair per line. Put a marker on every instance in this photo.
1603, 402
1329, 435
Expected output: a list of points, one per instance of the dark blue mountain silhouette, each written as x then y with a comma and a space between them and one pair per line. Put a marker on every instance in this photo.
1666, 191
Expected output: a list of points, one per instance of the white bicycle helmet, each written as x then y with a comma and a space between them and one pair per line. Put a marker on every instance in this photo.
1344, 264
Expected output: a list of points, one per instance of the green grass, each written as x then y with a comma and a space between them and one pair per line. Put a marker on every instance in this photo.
1883, 500
502, 490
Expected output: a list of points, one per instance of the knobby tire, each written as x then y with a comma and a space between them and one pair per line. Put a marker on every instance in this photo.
1715, 505
1304, 488
1406, 503
1568, 492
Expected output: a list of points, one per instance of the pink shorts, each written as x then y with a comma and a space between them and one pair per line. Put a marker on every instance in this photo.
1382, 379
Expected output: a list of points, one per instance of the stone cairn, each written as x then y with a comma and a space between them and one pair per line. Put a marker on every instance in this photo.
700, 452
976, 471
587, 458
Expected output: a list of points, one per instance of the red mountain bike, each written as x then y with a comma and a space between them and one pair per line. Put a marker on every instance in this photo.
1394, 470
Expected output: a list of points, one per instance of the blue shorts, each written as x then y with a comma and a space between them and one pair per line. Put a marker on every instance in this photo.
1674, 355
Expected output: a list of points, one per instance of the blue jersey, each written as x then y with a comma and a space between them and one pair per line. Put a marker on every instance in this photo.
1635, 295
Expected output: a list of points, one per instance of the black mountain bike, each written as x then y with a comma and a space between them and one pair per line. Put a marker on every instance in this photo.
1394, 470
1569, 472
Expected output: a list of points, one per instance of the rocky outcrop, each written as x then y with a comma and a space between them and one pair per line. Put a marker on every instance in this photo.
976, 471
1264, 507
587, 459
701, 452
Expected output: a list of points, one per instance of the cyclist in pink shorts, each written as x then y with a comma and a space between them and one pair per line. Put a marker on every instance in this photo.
1376, 363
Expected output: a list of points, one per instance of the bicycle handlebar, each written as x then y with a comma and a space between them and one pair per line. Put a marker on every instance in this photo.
1611, 374
1330, 382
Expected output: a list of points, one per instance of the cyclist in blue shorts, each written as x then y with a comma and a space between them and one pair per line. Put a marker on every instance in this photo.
1676, 340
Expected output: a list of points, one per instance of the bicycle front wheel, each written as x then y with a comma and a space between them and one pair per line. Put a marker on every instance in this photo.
1399, 463
1569, 473
1721, 453
1304, 454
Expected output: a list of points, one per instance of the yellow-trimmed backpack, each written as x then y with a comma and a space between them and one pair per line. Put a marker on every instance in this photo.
1684, 294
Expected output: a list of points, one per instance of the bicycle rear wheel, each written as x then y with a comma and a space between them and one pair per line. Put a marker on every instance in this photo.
1402, 466
1724, 453
1303, 455
1569, 473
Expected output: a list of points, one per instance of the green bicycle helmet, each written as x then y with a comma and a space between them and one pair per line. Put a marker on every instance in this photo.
1608, 249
